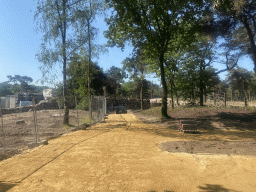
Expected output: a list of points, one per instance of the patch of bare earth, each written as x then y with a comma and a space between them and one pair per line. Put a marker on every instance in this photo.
19, 128
234, 128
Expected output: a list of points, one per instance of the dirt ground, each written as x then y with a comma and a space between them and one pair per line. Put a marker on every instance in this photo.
142, 152
125, 154
49, 124
233, 123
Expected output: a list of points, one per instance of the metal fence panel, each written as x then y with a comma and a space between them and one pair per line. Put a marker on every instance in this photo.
21, 126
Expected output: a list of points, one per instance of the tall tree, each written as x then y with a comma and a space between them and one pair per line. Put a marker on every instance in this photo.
23, 80
240, 79
137, 68
77, 80
115, 77
64, 23
162, 24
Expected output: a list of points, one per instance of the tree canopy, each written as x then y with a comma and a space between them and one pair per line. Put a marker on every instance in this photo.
162, 26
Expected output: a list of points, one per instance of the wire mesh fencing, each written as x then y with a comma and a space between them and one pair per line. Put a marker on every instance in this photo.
36, 120
232, 98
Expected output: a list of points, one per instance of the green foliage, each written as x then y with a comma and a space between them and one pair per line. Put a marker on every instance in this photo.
7, 89
64, 23
23, 80
115, 76
162, 26
241, 79
77, 81
14, 89
145, 84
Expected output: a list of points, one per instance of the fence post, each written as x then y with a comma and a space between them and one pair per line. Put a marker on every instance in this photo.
59, 111
98, 109
105, 101
90, 108
35, 119
77, 113
225, 99
2, 124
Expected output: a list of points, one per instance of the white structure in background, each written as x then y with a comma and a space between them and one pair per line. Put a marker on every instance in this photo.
169, 101
48, 93
9, 101
3, 102
25, 103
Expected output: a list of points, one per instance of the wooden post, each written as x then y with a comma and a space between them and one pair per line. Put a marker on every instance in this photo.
225, 99
4, 145
249, 96
77, 113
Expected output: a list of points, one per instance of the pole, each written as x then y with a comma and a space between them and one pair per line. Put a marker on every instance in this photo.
105, 101
34, 112
90, 109
77, 113
59, 111
2, 123
98, 110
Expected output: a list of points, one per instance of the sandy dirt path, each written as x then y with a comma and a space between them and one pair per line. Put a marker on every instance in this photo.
118, 156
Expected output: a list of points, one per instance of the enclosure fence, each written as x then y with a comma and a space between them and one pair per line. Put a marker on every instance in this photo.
35, 120
231, 98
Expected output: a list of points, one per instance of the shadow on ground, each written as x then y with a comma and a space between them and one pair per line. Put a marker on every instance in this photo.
7, 186
216, 188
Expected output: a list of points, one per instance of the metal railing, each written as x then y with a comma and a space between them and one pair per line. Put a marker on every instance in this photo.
35, 121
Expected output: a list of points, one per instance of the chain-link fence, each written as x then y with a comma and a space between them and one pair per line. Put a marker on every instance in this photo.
232, 98
36, 120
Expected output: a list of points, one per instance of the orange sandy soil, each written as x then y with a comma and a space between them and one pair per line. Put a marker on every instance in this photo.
124, 154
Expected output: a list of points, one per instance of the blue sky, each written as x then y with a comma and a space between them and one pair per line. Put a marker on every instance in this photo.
19, 44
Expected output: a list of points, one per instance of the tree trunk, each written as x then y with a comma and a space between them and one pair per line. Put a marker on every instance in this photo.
164, 98
172, 94
66, 107
193, 94
89, 69
205, 95
201, 87
141, 95
251, 39
177, 100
